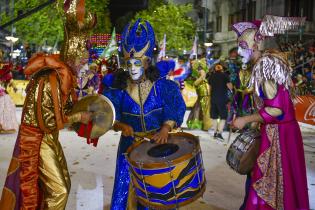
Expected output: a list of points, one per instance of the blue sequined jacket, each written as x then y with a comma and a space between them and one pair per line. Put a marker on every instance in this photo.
147, 105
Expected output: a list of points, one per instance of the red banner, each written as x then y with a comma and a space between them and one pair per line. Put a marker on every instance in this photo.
305, 109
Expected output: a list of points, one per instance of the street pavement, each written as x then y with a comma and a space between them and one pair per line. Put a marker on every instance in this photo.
92, 170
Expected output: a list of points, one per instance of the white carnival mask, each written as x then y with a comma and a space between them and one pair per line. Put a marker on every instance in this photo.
135, 68
245, 53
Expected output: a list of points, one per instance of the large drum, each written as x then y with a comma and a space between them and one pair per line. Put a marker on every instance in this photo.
170, 175
243, 152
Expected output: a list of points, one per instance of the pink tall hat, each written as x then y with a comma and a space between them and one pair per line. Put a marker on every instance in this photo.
241, 27
248, 34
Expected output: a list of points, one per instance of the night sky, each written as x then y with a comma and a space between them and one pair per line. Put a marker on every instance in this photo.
119, 8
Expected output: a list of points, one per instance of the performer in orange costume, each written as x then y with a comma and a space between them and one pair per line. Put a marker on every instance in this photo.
38, 177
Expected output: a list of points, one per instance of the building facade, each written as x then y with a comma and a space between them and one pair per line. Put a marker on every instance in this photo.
226, 12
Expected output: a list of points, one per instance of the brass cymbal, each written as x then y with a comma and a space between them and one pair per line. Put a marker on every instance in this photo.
103, 113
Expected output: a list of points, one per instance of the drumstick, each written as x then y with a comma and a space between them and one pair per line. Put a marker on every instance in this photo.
234, 116
144, 138
230, 131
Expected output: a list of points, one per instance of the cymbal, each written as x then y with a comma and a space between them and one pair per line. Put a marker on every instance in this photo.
103, 113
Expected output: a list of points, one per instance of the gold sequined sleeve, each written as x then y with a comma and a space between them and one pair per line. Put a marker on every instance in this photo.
170, 123
202, 76
48, 107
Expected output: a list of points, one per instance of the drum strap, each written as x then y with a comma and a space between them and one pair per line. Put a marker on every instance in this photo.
39, 107
57, 106
57, 109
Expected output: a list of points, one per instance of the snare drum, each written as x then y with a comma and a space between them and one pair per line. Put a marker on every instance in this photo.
243, 152
170, 175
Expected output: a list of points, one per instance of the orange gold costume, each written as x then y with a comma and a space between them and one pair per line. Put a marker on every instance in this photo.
38, 177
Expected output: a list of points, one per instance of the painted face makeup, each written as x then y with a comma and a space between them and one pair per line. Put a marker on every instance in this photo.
245, 53
135, 68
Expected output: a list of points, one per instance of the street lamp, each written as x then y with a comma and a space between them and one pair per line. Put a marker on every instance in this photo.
208, 44
12, 40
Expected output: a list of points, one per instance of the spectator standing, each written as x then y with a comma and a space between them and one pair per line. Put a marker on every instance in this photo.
219, 84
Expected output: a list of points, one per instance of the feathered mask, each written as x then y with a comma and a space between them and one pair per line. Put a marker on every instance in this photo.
253, 32
138, 40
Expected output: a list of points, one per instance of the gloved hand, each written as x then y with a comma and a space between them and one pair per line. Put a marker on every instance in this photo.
125, 129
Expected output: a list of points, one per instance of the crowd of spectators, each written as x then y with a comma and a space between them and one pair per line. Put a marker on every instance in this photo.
301, 56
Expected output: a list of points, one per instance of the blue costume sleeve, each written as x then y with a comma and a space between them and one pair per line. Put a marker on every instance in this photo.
108, 80
115, 96
174, 106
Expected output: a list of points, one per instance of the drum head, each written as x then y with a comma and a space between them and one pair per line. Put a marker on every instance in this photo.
179, 146
103, 113
243, 152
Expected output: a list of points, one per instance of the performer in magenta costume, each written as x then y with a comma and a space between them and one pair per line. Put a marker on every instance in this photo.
278, 179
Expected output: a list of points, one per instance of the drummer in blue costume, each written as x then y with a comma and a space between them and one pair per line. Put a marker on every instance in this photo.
145, 105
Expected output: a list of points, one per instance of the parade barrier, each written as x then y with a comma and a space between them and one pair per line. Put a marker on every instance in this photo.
16, 90
305, 109
189, 94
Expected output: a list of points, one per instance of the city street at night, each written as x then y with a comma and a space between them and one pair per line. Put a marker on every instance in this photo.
92, 170
157, 104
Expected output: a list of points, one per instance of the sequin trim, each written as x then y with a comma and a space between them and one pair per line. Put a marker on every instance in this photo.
271, 66
145, 88
137, 115
272, 25
270, 186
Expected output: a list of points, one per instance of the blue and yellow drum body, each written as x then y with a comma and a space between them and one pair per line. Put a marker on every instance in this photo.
168, 175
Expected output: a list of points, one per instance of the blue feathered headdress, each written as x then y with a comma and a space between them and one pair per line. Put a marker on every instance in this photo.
138, 40
165, 66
